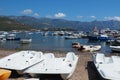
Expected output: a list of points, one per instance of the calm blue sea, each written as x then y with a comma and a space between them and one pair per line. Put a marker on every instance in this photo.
49, 43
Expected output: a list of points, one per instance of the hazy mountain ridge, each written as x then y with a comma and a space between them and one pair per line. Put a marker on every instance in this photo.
41, 23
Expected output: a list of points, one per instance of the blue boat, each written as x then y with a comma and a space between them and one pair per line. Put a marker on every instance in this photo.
93, 37
103, 37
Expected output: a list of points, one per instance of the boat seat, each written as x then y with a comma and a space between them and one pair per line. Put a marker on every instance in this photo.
39, 54
49, 56
115, 59
70, 56
32, 54
100, 58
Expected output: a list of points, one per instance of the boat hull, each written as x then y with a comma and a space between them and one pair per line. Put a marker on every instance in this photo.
63, 66
115, 48
93, 37
108, 67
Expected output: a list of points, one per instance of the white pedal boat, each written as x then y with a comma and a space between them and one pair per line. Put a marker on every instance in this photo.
108, 67
53, 65
21, 60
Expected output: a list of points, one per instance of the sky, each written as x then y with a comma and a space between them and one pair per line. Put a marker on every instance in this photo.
76, 10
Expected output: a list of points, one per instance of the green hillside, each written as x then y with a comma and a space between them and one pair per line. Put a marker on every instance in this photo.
7, 24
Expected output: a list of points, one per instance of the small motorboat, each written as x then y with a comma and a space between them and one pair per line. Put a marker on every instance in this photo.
103, 37
90, 48
64, 66
72, 37
108, 67
26, 40
12, 37
4, 74
115, 48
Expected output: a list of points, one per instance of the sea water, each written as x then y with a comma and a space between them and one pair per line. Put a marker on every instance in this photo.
50, 43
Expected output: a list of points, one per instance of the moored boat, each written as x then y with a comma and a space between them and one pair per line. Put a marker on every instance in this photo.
93, 37
103, 37
12, 37
89, 48
72, 37
26, 40
115, 48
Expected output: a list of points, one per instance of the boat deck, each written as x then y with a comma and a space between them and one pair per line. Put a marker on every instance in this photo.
21, 59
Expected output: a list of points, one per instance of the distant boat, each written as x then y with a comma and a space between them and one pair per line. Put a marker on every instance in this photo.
26, 40
108, 67
94, 34
12, 37
2, 38
93, 37
103, 37
71, 37
115, 48
61, 33
117, 40
64, 66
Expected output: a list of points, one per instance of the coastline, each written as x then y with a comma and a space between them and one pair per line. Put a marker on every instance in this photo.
85, 69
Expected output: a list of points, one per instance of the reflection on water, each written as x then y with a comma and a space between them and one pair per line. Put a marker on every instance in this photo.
25, 46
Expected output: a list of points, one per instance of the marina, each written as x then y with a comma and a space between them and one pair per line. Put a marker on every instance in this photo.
51, 42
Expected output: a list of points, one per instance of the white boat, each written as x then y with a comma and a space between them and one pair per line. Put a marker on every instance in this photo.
21, 60
2, 38
108, 67
115, 48
92, 47
71, 37
26, 40
53, 65
89, 48
11, 36
117, 40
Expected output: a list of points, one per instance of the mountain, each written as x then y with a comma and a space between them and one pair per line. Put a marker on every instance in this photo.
7, 24
47, 23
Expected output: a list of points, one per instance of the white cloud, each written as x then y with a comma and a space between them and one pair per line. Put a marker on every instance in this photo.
79, 16
48, 16
27, 11
117, 18
92, 17
36, 14
60, 15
